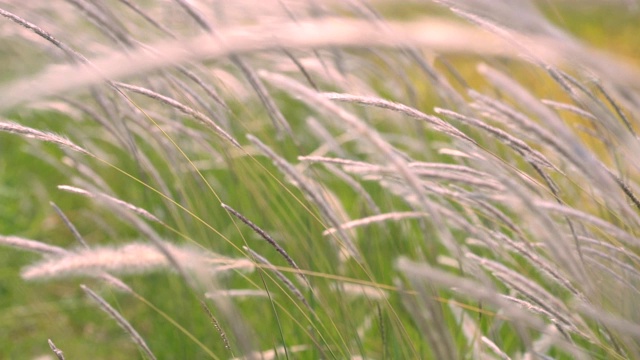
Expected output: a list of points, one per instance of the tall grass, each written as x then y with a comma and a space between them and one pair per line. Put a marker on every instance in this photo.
301, 179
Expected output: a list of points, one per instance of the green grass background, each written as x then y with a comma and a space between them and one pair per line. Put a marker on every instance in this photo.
31, 312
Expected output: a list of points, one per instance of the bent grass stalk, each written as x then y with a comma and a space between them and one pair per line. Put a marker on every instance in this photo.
268, 239
126, 326
58, 352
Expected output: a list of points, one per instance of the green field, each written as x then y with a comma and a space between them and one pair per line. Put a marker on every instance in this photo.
305, 180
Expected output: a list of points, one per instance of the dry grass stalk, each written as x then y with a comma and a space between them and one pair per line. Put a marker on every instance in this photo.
58, 352
124, 324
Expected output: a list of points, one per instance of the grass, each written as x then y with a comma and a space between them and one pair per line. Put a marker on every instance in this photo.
301, 181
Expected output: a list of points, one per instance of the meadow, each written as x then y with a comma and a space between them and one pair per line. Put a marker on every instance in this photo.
288, 179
